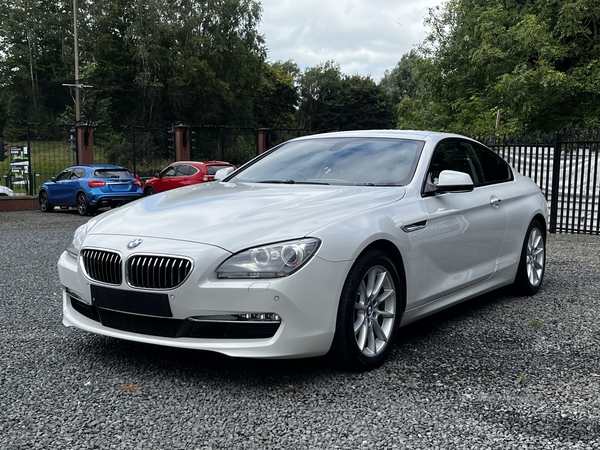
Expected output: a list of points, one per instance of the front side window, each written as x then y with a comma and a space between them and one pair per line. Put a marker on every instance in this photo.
169, 172
457, 155
480, 163
64, 175
344, 161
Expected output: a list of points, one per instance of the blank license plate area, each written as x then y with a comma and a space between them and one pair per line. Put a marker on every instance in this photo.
146, 303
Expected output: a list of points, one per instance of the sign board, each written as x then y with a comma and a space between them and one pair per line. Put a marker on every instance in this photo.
19, 154
20, 174
19, 164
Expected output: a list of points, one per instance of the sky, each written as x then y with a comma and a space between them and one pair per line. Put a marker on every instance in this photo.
366, 37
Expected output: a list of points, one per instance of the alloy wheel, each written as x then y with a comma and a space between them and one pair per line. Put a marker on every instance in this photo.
535, 257
374, 311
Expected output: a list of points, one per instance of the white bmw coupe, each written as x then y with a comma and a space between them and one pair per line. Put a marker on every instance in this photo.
325, 244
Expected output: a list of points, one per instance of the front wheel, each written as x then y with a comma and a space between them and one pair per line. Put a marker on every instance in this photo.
369, 313
149, 191
83, 205
533, 261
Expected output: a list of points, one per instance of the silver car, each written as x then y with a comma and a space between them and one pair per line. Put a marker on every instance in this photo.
6, 192
326, 244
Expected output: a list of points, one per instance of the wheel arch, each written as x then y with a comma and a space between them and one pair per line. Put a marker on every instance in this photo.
394, 254
84, 192
542, 220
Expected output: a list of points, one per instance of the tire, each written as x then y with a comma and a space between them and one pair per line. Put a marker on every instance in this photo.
44, 202
367, 323
83, 206
149, 191
532, 264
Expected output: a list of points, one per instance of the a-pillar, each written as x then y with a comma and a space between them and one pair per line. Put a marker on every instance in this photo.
85, 144
263, 140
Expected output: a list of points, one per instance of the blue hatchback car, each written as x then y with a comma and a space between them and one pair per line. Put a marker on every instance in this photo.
89, 187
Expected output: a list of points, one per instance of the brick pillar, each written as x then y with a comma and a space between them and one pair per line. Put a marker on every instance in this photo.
182, 140
263, 141
85, 144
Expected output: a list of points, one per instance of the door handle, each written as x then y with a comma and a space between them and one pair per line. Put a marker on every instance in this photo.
495, 201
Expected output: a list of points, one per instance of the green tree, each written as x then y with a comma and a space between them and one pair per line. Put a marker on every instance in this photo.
332, 101
403, 80
150, 61
32, 60
318, 85
536, 61
277, 96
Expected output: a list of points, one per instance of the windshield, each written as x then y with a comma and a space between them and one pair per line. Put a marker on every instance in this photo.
346, 161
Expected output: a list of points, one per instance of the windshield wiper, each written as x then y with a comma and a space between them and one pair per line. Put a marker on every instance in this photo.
376, 185
313, 182
293, 182
278, 181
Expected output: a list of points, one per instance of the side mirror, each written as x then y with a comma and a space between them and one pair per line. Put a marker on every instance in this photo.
452, 181
222, 173
156, 175
53, 179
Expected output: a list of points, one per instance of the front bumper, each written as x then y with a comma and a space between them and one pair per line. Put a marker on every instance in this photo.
305, 305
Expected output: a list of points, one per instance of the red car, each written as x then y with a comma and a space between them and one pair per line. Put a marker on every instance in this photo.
183, 173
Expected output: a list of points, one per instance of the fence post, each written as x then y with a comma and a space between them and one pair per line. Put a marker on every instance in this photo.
133, 149
263, 140
555, 182
85, 144
31, 178
182, 142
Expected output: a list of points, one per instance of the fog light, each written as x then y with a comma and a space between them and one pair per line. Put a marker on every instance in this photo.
259, 317
242, 317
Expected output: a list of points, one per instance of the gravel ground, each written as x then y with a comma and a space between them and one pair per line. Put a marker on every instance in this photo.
498, 372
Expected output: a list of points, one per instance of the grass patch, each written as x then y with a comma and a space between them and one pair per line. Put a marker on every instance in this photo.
535, 324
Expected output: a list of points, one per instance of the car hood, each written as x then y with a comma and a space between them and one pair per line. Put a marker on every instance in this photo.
236, 216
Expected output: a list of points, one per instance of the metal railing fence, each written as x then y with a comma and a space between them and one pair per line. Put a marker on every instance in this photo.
143, 150
565, 166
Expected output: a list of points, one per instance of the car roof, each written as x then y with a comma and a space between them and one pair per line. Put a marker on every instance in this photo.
397, 134
97, 166
201, 163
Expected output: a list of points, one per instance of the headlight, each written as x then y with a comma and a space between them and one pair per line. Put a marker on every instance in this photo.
77, 241
269, 261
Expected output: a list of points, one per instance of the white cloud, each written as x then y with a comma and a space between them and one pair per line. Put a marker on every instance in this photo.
366, 37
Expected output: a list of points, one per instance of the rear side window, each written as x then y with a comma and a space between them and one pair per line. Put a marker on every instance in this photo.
495, 169
112, 173
186, 170
211, 170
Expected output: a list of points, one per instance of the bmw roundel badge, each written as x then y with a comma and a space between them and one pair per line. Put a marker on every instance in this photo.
134, 243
